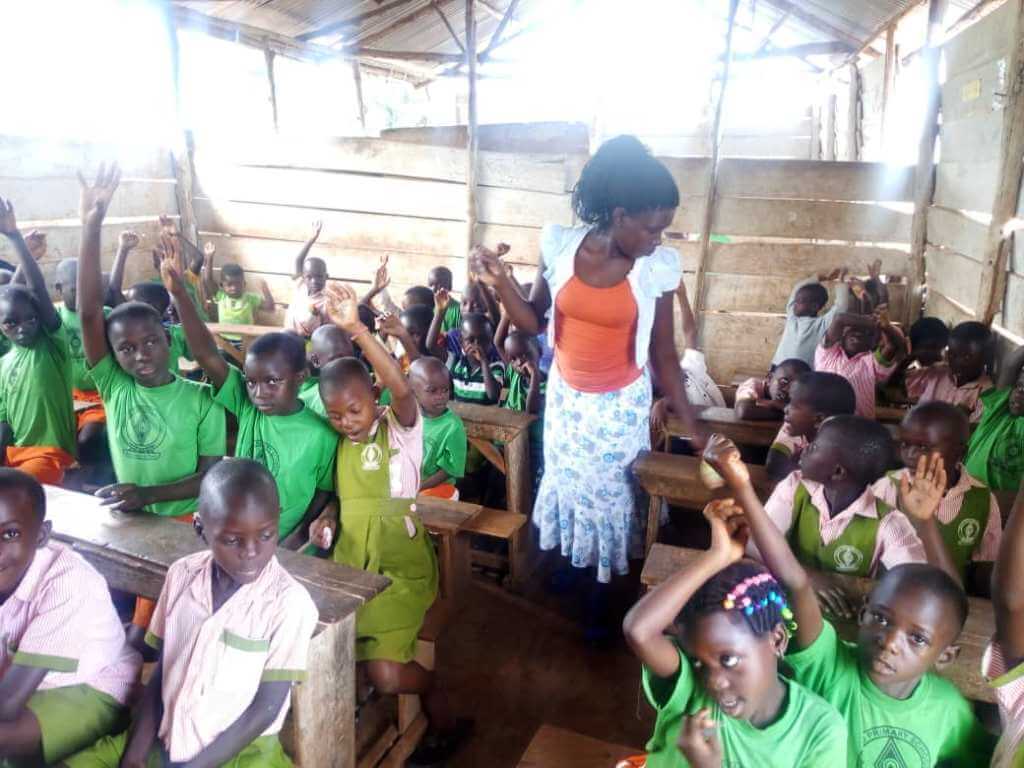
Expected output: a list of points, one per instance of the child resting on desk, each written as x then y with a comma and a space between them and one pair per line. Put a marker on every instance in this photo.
964, 378
164, 432
232, 630
995, 454
66, 671
897, 710
233, 304
37, 418
274, 427
767, 398
710, 638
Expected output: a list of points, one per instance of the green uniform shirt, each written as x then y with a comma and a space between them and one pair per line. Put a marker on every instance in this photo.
468, 380
452, 317
995, 454
298, 449
80, 378
444, 446
935, 724
808, 733
178, 347
157, 434
35, 392
309, 393
192, 294
240, 311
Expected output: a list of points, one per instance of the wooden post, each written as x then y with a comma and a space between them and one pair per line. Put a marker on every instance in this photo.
268, 56
1004, 208
357, 78
924, 178
888, 79
853, 116
181, 156
816, 122
472, 140
709, 197
829, 145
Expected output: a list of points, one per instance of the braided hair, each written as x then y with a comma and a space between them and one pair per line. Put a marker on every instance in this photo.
747, 589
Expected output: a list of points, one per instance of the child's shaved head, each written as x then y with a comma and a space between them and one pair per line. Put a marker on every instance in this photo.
231, 481
862, 446
153, 294
327, 344
439, 277
418, 295
431, 384
13, 481
345, 372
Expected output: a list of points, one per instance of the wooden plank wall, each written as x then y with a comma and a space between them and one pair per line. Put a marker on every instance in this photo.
38, 175
785, 137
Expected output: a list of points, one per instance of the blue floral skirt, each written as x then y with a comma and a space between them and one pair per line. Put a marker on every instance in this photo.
588, 503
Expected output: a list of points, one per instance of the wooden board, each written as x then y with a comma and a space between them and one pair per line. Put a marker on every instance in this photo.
663, 560
814, 180
554, 137
983, 41
966, 186
1013, 309
974, 92
739, 342
691, 174
811, 219
725, 421
490, 422
956, 231
759, 293
795, 261
34, 157
689, 216
953, 275
677, 479
57, 198
558, 748
937, 305
972, 140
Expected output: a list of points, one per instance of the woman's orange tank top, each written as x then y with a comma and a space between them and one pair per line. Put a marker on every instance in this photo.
595, 333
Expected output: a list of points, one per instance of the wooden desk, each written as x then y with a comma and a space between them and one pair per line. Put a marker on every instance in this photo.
724, 421
133, 552
965, 673
243, 329
558, 748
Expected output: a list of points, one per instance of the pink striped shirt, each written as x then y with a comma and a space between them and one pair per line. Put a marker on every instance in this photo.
897, 541
863, 372
61, 619
1009, 690
936, 383
752, 389
406, 454
887, 489
789, 444
213, 663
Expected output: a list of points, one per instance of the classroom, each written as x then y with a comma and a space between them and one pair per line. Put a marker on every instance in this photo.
512, 384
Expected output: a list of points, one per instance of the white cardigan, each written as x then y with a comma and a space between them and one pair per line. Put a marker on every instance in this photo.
650, 278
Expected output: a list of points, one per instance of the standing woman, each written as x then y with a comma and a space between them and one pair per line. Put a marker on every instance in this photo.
611, 284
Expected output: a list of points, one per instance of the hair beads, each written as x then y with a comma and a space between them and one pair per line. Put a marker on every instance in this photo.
747, 588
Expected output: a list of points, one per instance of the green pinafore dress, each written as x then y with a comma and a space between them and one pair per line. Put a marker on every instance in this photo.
386, 536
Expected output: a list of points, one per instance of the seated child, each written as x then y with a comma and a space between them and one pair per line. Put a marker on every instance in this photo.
767, 398
813, 397
994, 453
156, 296
929, 337
164, 432
968, 514
408, 331
274, 427
379, 458
963, 379
305, 311
711, 665
232, 629
804, 330
477, 372
234, 304
418, 296
526, 389
827, 509
37, 419
438, 279
1001, 663
866, 350
327, 343
897, 710
66, 672
444, 436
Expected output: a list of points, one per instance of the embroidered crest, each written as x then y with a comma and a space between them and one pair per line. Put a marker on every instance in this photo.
968, 531
847, 558
371, 457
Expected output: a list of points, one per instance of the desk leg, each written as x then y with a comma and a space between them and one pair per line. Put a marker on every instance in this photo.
323, 707
518, 485
653, 523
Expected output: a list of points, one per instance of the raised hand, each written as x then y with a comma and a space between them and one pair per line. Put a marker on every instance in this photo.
875, 269
698, 740
93, 201
167, 226
920, 497
342, 306
35, 241
128, 240
170, 269
8, 221
441, 300
317, 226
729, 530
486, 265
390, 325
723, 455
209, 249
381, 280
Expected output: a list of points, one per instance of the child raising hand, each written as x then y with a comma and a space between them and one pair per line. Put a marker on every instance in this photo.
710, 638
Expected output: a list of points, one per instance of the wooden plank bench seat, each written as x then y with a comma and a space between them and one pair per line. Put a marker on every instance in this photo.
553, 747
133, 552
965, 672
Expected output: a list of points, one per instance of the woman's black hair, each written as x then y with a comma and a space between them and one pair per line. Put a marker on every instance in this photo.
622, 174
767, 599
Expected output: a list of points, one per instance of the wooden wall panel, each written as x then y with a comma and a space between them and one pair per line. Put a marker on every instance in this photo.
797, 260
739, 342
954, 275
767, 293
1013, 308
972, 93
953, 230
974, 140
983, 41
967, 186
811, 219
32, 158
937, 305
54, 198
811, 180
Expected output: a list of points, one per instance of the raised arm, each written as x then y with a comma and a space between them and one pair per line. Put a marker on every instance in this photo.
391, 325
919, 501
93, 203
342, 309
647, 621
268, 298
1008, 586
441, 301
500, 334
667, 372
893, 344
686, 319
33, 274
723, 455
208, 284
200, 340
126, 242
842, 321
381, 280
527, 315
300, 259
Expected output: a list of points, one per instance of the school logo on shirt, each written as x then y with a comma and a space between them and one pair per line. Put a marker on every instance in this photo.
371, 457
967, 532
74, 343
889, 747
847, 558
267, 455
143, 433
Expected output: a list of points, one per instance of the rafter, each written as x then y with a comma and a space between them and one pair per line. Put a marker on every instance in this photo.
448, 26
483, 56
352, 21
496, 37
814, 22
401, 21
771, 32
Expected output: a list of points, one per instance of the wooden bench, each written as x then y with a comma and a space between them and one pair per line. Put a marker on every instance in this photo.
965, 673
133, 552
553, 747
676, 479
489, 424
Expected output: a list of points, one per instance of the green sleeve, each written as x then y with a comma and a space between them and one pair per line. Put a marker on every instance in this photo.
325, 478
498, 372
212, 427
179, 335
675, 691
232, 394
452, 458
107, 375
967, 741
824, 664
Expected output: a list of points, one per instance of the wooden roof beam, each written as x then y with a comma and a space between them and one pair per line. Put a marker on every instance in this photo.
814, 22
797, 51
401, 21
881, 29
448, 26
483, 56
351, 22
496, 37
771, 32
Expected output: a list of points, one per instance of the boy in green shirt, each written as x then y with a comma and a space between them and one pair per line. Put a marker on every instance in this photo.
444, 436
897, 710
37, 423
274, 427
526, 386
995, 454
327, 343
164, 432
438, 279
234, 304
